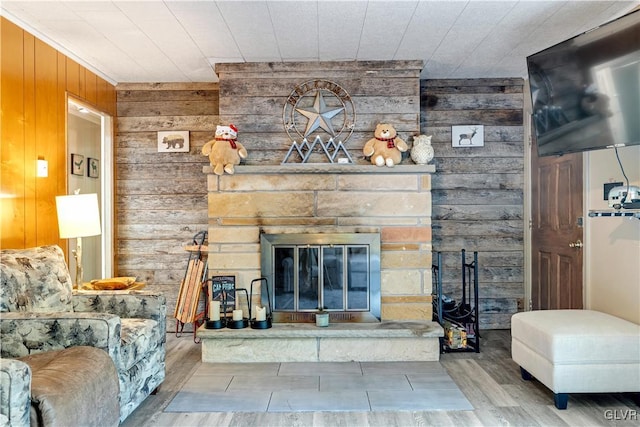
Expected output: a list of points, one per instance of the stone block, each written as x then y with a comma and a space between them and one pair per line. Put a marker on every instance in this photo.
425, 182
382, 182
273, 222
377, 221
370, 349
239, 247
394, 299
234, 234
259, 350
234, 261
406, 234
258, 205
405, 259
277, 182
400, 247
406, 312
394, 282
373, 204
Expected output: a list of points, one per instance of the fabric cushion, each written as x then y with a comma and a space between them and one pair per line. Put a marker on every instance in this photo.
577, 336
138, 338
75, 386
35, 280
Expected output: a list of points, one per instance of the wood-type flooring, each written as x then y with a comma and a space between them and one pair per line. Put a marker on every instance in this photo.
490, 380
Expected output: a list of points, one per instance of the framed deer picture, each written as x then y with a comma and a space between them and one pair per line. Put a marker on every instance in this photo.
467, 136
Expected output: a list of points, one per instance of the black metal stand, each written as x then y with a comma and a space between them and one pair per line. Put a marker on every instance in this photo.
458, 316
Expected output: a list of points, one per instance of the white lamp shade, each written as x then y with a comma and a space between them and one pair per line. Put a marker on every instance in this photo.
78, 215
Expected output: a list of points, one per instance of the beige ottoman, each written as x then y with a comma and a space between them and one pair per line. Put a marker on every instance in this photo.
77, 386
577, 351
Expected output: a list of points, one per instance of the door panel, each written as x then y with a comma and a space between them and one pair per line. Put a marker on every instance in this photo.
556, 210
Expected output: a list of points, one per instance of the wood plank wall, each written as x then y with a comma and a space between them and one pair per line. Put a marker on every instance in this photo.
161, 197
35, 80
477, 193
478, 202
253, 96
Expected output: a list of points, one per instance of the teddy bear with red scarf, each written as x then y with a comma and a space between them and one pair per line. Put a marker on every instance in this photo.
224, 150
386, 148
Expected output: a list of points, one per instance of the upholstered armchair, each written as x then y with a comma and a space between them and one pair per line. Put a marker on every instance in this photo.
15, 389
39, 312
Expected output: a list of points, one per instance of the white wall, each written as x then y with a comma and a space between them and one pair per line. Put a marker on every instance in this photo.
612, 245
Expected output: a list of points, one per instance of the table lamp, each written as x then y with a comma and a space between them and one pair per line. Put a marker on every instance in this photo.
78, 217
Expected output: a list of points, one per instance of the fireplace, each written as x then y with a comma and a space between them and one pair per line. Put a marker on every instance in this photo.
391, 207
338, 272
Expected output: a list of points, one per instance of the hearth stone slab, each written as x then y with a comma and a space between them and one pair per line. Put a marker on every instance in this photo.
340, 342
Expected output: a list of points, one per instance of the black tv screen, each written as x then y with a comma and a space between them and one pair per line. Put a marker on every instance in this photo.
585, 91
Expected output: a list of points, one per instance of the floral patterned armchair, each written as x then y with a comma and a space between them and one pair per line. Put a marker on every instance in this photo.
39, 311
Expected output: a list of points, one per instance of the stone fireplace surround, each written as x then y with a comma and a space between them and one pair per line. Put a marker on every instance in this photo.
394, 202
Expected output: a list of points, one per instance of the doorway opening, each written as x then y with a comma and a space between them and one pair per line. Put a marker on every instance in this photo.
90, 148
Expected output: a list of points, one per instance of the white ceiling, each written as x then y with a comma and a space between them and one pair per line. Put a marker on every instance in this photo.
181, 41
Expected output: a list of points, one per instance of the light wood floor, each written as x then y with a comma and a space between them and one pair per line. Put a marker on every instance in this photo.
490, 380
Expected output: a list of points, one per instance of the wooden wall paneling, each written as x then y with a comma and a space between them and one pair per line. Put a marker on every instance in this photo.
12, 149
101, 85
73, 77
82, 83
91, 94
477, 193
34, 79
61, 177
105, 99
47, 111
30, 142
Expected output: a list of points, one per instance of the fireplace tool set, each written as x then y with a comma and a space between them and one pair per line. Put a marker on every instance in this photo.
223, 311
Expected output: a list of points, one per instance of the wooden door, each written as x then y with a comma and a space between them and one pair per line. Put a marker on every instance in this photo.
557, 232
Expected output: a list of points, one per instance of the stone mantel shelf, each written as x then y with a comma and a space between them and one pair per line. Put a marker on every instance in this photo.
327, 168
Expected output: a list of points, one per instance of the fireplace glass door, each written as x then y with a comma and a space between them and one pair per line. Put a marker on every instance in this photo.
338, 272
333, 277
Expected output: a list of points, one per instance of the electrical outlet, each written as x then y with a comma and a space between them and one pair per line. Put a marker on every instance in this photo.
608, 186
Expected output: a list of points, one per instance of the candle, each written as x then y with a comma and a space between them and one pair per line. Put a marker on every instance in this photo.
261, 313
237, 314
214, 310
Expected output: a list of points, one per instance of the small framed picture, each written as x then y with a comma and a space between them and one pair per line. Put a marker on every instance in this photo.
222, 282
93, 168
173, 142
467, 136
77, 164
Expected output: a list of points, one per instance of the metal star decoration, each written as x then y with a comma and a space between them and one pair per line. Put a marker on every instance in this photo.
319, 116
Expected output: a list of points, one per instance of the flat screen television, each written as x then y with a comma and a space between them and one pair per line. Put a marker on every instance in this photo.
585, 91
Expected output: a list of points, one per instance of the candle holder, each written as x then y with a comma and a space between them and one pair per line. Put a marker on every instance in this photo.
214, 324
267, 322
218, 323
235, 323
218, 296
